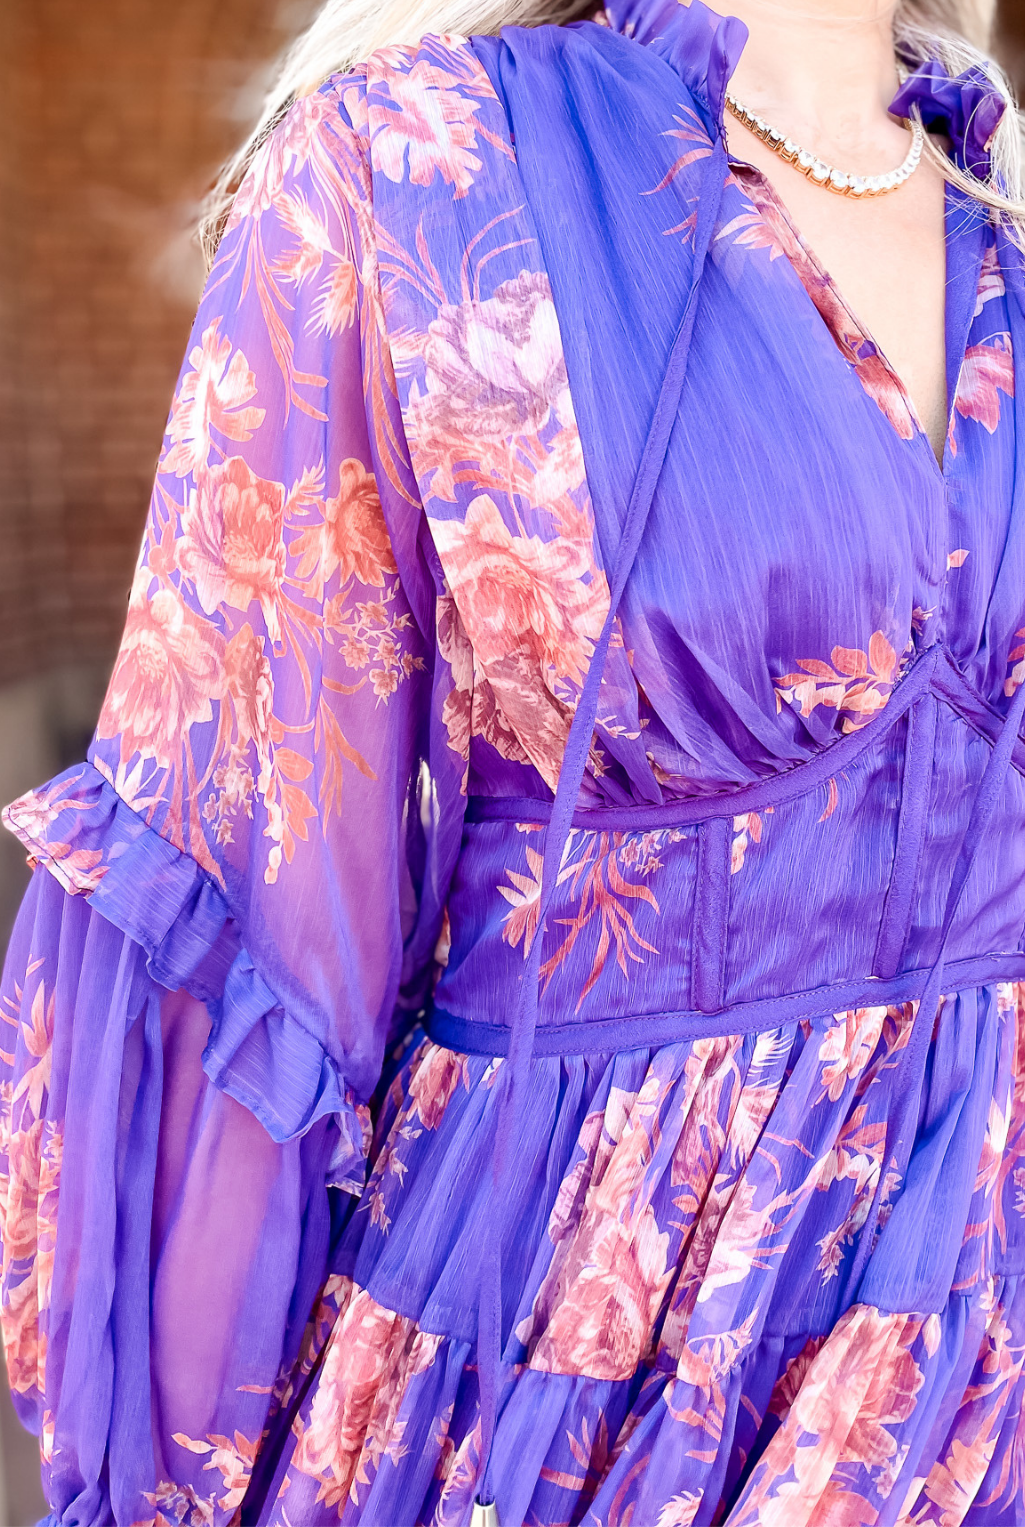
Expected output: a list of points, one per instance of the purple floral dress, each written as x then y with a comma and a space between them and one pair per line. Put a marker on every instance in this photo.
527, 995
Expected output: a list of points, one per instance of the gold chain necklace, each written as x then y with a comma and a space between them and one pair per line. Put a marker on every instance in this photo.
823, 174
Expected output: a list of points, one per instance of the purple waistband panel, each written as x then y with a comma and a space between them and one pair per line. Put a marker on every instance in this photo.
472, 1036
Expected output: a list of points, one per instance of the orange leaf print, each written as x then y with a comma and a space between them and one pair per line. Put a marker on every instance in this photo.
850, 661
854, 682
881, 656
293, 764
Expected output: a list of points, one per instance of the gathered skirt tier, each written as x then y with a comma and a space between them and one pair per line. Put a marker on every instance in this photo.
684, 1344
725, 1303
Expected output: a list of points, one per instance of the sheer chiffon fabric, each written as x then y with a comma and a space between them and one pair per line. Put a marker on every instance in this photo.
246, 1196
682, 1341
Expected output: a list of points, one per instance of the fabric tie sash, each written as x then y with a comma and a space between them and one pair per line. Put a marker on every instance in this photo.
516, 1073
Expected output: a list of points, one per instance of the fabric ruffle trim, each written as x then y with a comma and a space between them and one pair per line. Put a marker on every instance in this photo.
96, 846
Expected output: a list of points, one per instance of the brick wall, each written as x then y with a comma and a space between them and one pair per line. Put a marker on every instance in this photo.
1012, 40
120, 109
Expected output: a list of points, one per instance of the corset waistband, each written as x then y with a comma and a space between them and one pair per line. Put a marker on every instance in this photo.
473, 1036
665, 925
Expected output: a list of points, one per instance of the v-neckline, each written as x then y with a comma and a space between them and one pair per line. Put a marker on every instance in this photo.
854, 337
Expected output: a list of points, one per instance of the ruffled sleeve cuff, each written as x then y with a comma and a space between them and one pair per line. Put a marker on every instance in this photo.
80, 830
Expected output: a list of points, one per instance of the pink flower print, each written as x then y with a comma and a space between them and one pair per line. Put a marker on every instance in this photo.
78, 869
250, 685
830, 1249
24, 1346
37, 1037
355, 102
494, 371
335, 305
519, 594
454, 647
680, 1510
433, 1082
693, 134
611, 1292
591, 1456
290, 144
788, 1386
855, 1156
987, 371
767, 227
311, 241
20, 1213
31, 815
428, 125
371, 1358
863, 1380
874, 372
888, 1401
250, 695
954, 1481
706, 1362
747, 828
211, 397
991, 280
355, 1364
847, 1047
596, 1307
745, 1241
570, 1200
470, 708
751, 230
352, 539
234, 1460
30, 1168
231, 545
598, 867
1016, 657
524, 896
384, 681
168, 672
884, 388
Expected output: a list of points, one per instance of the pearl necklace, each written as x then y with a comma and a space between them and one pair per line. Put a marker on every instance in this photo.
823, 174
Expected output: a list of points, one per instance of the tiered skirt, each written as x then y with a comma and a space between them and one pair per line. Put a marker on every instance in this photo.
685, 1342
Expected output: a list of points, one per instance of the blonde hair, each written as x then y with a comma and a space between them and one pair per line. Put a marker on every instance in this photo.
344, 32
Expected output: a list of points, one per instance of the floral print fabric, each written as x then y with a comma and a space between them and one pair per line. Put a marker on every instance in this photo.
393, 479
681, 1346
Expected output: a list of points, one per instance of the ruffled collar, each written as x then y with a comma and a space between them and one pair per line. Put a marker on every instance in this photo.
704, 48
967, 108
701, 45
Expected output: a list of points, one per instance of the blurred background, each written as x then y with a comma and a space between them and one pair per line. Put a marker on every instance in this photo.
117, 113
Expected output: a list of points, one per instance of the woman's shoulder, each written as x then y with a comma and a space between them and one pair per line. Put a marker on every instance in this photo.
446, 62
432, 119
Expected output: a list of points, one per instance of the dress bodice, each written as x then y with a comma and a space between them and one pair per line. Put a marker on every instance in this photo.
803, 545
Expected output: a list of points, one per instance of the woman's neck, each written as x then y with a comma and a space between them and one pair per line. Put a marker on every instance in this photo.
824, 72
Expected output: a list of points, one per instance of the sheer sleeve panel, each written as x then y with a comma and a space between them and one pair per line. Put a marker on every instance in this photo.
235, 888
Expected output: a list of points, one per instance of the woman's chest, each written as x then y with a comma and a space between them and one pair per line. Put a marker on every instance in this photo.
887, 265
803, 542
